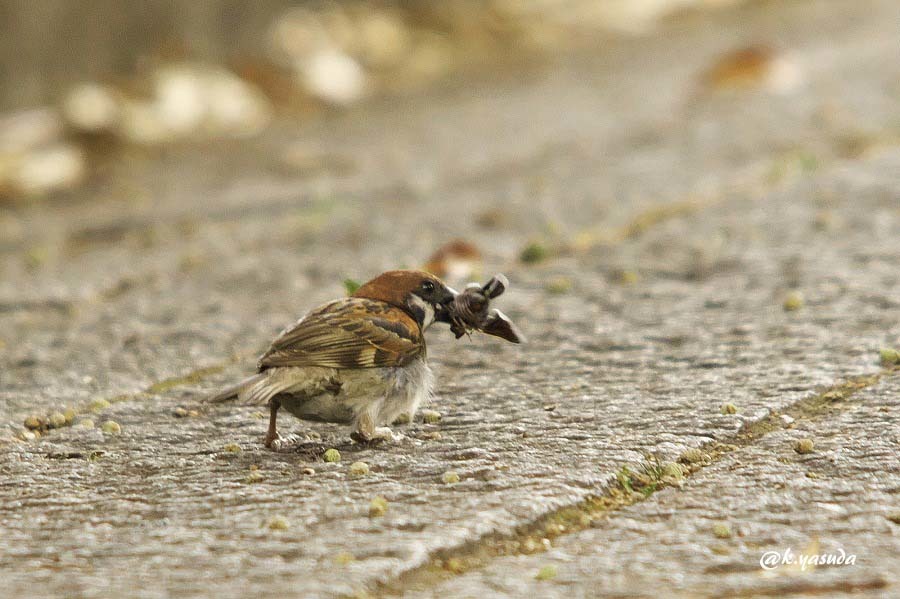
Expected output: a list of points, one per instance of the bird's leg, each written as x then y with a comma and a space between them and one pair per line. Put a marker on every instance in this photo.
272, 434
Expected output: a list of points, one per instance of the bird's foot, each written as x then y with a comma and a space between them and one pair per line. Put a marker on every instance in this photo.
379, 435
280, 443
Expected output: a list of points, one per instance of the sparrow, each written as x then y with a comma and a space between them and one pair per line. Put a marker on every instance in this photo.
359, 360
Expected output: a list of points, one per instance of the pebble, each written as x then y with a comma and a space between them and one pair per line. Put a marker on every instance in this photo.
111, 427
793, 301
254, 477
559, 285
804, 446
359, 468
889, 356
378, 507
431, 416
34, 422
722, 530
98, 405
533, 253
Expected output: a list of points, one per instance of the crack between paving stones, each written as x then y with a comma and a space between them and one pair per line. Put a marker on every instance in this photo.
529, 538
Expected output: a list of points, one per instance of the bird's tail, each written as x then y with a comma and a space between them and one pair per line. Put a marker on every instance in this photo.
231, 393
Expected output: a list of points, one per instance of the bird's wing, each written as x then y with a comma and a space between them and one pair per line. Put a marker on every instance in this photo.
348, 333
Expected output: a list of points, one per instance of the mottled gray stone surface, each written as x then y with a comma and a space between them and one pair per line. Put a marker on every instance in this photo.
842, 497
721, 203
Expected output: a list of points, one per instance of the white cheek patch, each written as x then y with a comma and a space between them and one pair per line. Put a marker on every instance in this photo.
427, 310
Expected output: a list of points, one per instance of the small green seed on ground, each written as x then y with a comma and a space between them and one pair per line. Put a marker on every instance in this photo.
69, 415
111, 427
804, 446
889, 356
98, 405
254, 477
343, 558
559, 285
729, 408
86, 423
547, 572
378, 506
793, 301
722, 530
455, 565
626, 277
232, 448
431, 416
34, 422
332, 455
533, 253
450, 477
359, 468
278, 523
691, 456
57, 420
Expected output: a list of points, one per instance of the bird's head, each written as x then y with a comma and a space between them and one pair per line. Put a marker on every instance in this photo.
421, 294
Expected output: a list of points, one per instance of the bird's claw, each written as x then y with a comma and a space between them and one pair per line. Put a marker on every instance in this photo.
381, 434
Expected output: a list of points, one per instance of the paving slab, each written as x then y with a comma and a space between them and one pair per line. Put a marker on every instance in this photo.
764, 520
716, 248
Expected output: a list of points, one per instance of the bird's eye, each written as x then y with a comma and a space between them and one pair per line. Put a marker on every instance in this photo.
427, 286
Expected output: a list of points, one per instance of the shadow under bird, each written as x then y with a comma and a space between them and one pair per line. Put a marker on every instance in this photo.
361, 360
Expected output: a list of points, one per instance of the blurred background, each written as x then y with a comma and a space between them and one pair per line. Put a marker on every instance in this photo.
82, 82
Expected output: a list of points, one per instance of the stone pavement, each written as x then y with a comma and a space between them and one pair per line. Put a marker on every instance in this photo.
707, 247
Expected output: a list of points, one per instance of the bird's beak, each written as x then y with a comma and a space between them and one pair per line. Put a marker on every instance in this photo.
442, 307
